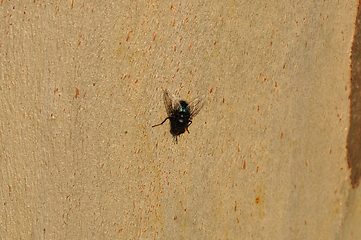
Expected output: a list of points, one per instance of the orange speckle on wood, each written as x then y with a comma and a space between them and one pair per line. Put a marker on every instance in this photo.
129, 35
77, 93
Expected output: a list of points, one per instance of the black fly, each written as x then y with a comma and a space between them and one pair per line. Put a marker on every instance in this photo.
180, 113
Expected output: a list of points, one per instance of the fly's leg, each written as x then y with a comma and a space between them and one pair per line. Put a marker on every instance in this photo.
161, 122
189, 123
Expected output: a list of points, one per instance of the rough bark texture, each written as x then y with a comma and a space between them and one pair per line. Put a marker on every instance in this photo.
266, 158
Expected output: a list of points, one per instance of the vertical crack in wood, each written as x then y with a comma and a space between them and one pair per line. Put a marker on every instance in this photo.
354, 136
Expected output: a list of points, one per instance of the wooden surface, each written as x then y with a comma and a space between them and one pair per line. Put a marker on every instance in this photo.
81, 85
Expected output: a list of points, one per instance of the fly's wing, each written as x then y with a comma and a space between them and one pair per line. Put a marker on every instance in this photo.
195, 106
170, 103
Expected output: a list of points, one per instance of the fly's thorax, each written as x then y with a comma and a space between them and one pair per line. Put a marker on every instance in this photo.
182, 116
